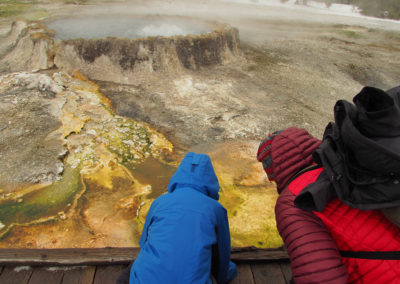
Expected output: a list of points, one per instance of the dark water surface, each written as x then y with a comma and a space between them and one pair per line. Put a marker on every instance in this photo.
155, 173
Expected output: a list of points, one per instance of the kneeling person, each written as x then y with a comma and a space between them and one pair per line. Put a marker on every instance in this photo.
186, 238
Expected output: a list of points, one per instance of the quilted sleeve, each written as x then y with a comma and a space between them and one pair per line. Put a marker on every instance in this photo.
312, 251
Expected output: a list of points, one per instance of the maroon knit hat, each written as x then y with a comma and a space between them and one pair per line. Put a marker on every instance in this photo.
264, 154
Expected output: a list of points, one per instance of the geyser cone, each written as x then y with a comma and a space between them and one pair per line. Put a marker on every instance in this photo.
125, 60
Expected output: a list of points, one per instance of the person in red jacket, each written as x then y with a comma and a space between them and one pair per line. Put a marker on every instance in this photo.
313, 254
337, 237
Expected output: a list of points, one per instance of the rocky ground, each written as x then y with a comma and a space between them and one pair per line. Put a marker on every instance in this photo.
292, 66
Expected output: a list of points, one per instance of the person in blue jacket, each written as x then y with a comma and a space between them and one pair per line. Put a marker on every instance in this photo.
186, 237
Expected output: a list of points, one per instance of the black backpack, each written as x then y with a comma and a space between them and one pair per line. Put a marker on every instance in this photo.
360, 154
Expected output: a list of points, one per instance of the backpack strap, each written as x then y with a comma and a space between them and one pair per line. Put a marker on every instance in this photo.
302, 171
385, 255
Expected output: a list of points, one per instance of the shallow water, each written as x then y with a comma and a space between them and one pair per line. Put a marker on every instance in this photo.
42, 203
130, 27
155, 173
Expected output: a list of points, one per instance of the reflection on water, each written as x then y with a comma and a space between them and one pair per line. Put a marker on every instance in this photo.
155, 173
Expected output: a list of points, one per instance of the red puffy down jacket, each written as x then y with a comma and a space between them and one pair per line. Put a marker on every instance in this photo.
357, 230
313, 240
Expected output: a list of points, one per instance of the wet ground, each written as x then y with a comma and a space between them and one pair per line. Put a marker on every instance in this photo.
294, 65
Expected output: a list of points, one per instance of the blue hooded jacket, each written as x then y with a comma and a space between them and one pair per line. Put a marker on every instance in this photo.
186, 234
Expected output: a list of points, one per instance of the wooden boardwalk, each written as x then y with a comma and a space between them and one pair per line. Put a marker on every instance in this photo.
103, 266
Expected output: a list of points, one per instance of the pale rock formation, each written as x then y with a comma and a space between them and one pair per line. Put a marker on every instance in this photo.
27, 47
30, 112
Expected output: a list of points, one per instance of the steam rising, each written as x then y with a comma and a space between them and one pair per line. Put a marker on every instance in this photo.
137, 19
130, 27
163, 30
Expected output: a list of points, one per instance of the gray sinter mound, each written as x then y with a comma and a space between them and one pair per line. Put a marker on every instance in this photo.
30, 150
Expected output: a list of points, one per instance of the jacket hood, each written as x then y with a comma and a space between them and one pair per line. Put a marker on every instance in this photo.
291, 152
196, 171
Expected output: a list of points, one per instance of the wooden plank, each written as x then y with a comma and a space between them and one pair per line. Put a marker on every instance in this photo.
12, 275
244, 276
42, 275
270, 273
253, 253
79, 275
286, 270
68, 256
100, 256
108, 274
